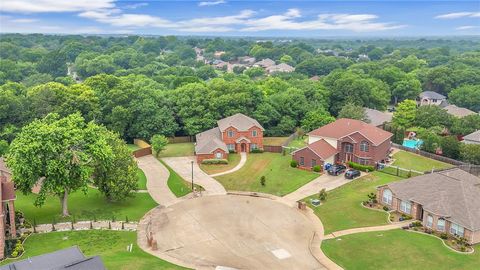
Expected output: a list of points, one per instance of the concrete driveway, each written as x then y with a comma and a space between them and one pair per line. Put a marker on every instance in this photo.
183, 166
243, 160
231, 232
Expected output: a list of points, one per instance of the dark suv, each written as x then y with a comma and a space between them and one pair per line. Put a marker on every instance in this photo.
351, 174
336, 169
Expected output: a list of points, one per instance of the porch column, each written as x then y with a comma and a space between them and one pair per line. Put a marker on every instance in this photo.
11, 213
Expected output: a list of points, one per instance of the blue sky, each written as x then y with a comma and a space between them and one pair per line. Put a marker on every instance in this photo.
242, 18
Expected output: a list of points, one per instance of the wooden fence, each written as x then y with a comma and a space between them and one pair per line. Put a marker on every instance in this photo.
145, 148
182, 139
279, 148
430, 155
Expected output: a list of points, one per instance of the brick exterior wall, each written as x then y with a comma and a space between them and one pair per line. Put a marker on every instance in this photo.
201, 157
2, 221
308, 156
418, 213
375, 153
258, 140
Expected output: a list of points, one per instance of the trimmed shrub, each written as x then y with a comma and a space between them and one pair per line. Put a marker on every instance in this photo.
385, 208
317, 168
293, 164
214, 161
444, 236
416, 224
231, 151
360, 167
256, 150
322, 195
263, 180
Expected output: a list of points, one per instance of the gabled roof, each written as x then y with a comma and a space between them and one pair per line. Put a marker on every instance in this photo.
239, 121
377, 117
267, 62
431, 95
474, 136
458, 111
321, 148
452, 194
280, 68
70, 258
209, 140
344, 127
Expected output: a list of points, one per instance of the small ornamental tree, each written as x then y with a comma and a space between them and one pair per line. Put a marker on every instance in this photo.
159, 142
263, 180
322, 195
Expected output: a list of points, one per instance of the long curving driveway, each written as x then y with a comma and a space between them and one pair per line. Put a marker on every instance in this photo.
243, 160
157, 177
183, 166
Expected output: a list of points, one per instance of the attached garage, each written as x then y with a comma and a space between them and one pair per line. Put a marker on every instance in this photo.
317, 153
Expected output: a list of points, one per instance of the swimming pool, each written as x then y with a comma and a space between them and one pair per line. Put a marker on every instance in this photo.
415, 144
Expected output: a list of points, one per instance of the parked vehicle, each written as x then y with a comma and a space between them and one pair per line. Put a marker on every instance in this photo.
336, 169
351, 174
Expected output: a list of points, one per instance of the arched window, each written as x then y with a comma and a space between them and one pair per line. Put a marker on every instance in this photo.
387, 196
364, 146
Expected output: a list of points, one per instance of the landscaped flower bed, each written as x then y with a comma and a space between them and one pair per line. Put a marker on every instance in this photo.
456, 243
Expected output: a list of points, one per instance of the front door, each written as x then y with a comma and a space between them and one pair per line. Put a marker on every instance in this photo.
243, 147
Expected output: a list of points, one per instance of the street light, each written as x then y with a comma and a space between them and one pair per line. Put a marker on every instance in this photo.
192, 175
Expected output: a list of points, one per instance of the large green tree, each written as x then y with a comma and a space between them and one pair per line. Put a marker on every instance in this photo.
467, 96
405, 113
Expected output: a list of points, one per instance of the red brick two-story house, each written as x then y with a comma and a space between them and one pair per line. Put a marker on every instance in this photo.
342, 141
446, 201
236, 133
7, 207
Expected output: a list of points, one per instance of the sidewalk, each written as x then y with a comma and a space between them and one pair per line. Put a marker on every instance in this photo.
157, 177
243, 160
325, 180
368, 229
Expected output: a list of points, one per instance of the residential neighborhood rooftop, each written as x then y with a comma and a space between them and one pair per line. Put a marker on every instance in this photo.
453, 194
377, 117
209, 140
431, 95
322, 148
239, 121
344, 127
473, 137
458, 111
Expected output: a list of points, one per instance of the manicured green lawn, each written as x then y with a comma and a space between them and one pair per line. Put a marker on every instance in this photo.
278, 141
111, 246
342, 209
299, 142
142, 180
397, 249
233, 160
177, 150
281, 179
132, 147
85, 207
416, 162
179, 186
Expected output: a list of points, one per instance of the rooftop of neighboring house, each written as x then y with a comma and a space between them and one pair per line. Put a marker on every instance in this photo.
3, 166
344, 127
431, 95
458, 111
377, 117
70, 258
280, 68
321, 148
209, 140
474, 136
267, 62
239, 121
452, 194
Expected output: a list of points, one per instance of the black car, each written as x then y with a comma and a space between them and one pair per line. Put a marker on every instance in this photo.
336, 169
351, 174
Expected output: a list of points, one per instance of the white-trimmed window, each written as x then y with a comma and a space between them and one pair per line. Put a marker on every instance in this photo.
349, 148
253, 146
457, 229
230, 133
218, 155
314, 162
429, 221
441, 224
302, 161
406, 207
363, 161
254, 133
364, 146
231, 146
387, 196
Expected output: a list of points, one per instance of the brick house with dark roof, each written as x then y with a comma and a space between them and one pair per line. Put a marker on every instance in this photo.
316, 153
446, 201
7, 206
237, 133
353, 140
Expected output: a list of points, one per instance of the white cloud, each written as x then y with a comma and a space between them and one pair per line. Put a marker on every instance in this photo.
39, 6
135, 6
457, 15
466, 27
211, 3
224, 20
24, 20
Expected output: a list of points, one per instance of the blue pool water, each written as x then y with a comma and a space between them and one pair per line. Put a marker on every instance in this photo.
415, 144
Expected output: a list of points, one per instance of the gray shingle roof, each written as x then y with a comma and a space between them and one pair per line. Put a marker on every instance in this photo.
267, 62
65, 259
209, 140
239, 121
377, 117
453, 194
431, 95
475, 136
458, 111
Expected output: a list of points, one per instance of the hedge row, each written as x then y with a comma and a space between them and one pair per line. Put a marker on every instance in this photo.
214, 161
360, 167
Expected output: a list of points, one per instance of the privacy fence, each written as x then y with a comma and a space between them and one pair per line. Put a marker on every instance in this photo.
145, 148
430, 155
280, 148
